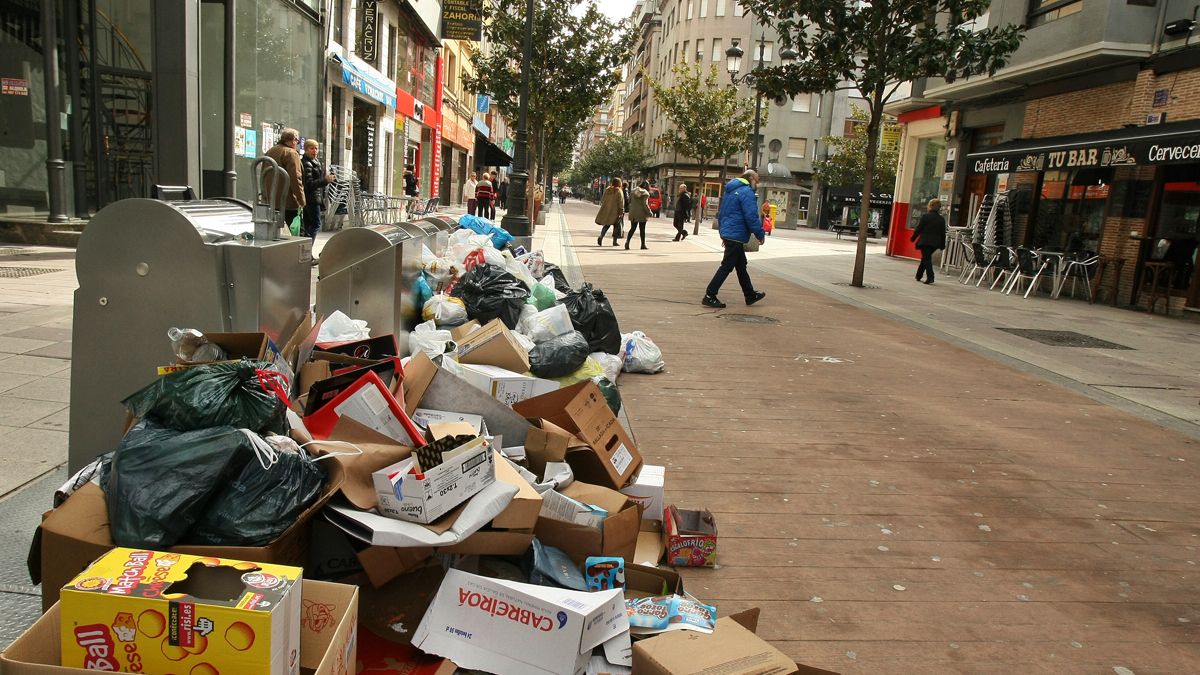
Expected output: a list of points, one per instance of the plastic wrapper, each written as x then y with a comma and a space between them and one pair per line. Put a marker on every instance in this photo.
548, 282
611, 363
445, 310
500, 237
426, 337
463, 242
423, 290
548, 566
669, 612
261, 502
535, 262
640, 353
489, 293
161, 480
517, 269
541, 297
191, 346
547, 324
612, 395
245, 394
593, 316
341, 328
587, 371
560, 279
560, 356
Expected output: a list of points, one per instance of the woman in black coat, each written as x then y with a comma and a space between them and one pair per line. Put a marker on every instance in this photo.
683, 207
930, 235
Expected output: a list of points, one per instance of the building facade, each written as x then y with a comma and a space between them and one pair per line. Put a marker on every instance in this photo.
1091, 133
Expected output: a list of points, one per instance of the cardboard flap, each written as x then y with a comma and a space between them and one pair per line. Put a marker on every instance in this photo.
609, 500
428, 386
378, 451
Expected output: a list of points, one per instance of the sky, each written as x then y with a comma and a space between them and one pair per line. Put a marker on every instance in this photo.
614, 9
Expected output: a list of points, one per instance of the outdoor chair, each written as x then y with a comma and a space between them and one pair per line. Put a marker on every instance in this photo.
1005, 265
1078, 269
968, 259
431, 206
1028, 268
979, 262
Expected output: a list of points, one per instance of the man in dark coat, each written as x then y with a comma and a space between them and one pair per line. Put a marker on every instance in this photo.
930, 235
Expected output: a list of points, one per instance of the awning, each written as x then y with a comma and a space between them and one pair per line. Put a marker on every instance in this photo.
359, 79
853, 196
488, 153
1152, 145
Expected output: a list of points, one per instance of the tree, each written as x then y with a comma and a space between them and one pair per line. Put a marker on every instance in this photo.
708, 120
875, 47
575, 64
616, 155
847, 161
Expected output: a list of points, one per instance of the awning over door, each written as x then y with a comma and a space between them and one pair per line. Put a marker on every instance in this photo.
488, 153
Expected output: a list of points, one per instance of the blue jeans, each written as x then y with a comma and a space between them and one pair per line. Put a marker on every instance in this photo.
734, 259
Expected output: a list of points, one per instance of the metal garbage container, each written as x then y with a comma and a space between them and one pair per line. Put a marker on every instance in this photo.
146, 265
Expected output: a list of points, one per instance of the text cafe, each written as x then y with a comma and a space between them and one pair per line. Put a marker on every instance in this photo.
1131, 194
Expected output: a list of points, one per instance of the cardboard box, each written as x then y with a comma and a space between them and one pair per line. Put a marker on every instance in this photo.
431, 387
611, 459
650, 545
617, 537
76, 533
328, 636
690, 537
642, 581
135, 609
512, 628
458, 333
506, 386
426, 496
379, 656
522, 512
493, 345
370, 403
731, 649
646, 491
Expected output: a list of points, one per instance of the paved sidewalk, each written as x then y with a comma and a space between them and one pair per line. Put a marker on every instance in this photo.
893, 501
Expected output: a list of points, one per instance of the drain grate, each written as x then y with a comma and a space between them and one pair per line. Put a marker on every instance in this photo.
749, 318
1063, 338
847, 283
22, 272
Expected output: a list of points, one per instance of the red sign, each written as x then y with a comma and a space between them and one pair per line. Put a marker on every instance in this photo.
14, 86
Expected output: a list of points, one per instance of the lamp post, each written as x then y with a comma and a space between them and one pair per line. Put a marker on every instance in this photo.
733, 65
516, 220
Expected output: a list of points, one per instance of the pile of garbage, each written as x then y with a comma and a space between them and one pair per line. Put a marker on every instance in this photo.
477, 505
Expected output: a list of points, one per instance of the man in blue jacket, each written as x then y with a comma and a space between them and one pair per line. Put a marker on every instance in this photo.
739, 221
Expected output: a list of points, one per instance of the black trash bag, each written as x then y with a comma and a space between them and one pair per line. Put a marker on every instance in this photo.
161, 480
560, 279
260, 504
241, 394
593, 316
611, 395
559, 356
489, 292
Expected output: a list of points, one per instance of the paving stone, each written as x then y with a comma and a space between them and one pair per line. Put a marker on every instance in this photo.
27, 364
19, 412
12, 345
58, 350
11, 380
59, 421
44, 389
42, 333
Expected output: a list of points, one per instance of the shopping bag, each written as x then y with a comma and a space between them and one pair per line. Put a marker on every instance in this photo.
295, 226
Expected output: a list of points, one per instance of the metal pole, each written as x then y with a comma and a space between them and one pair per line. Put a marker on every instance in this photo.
516, 220
78, 154
762, 47
55, 166
230, 171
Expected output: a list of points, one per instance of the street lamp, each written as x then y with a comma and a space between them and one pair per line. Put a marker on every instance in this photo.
733, 65
516, 220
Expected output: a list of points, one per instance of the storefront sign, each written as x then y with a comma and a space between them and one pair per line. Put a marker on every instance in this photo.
14, 86
462, 20
370, 132
367, 85
368, 47
482, 128
1142, 146
483, 104
245, 120
436, 154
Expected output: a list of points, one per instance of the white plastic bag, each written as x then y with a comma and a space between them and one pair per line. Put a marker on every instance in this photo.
493, 257
518, 269
535, 262
341, 328
463, 242
525, 341
548, 282
445, 310
441, 270
546, 324
611, 363
641, 354
427, 338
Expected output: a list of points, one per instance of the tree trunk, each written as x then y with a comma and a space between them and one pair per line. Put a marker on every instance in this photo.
531, 167
864, 214
698, 197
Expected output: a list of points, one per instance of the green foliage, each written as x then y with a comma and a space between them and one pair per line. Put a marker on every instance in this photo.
847, 162
616, 155
575, 64
709, 121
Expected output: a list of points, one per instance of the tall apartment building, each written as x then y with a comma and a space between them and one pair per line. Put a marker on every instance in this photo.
699, 32
1091, 132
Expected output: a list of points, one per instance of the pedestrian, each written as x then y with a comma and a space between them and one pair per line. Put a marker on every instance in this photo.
639, 212
469, 192
683, 205
703, 208
930, 235
502, 194
612, 205
411, 188
315, 180
767, 222
738, 218
483, 197
285, 155
562, 195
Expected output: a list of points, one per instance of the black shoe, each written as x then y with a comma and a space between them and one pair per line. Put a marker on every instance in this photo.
712, 301
626, 246
600, 240
929, 281
645, 248
758, 295
616, 243
685, 234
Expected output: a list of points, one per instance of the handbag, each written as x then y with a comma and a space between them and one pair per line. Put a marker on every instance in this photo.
751, 245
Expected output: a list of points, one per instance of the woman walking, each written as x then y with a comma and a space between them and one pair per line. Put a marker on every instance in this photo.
639, 212
612, 206
930, 235
683, 206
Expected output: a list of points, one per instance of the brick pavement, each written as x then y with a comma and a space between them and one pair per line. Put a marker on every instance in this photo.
896, 503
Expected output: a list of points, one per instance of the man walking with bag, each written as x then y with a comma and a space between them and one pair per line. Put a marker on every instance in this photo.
739, 225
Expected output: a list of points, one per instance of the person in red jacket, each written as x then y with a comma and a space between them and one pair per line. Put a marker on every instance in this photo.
484, 196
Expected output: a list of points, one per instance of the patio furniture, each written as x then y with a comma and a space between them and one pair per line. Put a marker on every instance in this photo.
1102, 265
1160, 274
1076, 269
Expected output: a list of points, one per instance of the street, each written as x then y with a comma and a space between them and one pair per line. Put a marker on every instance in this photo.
900, 486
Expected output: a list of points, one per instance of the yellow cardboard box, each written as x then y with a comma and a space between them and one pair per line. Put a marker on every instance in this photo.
147, 611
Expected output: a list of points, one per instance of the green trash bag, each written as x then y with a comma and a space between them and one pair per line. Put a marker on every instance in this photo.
243, 394
541, 297
295, 226
161, 480
611, 395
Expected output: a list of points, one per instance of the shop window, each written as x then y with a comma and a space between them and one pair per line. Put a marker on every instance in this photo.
797, 147
1044, 11
1178, 228
1071, 209
802, 209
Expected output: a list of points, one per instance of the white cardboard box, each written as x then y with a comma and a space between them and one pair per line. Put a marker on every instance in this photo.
505, 385
463, 472
511, 628
424, 417
647, 491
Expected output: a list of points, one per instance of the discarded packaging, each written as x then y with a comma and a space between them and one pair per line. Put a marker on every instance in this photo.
411, 492
691, 537
493, 345
454, 528
646, 491
506, 386
667, 613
